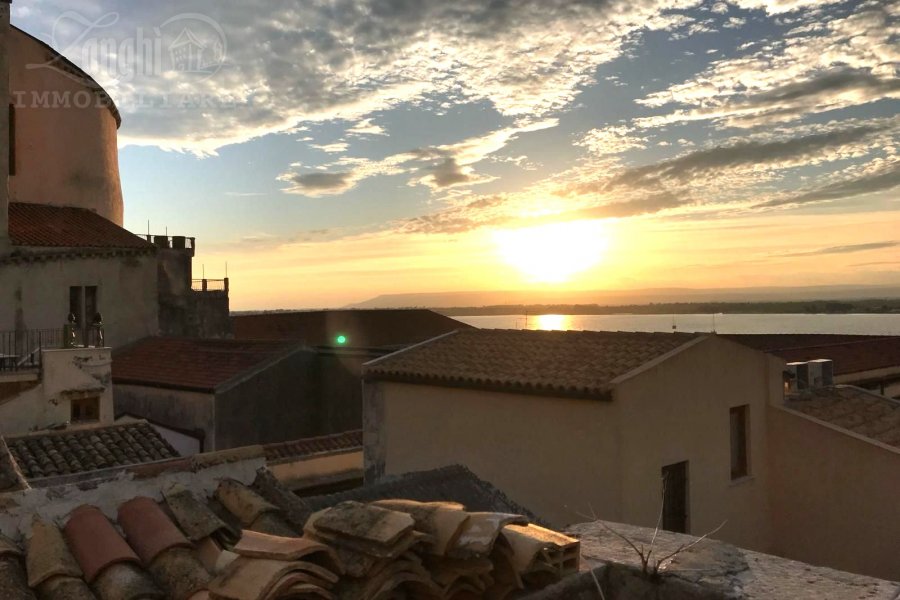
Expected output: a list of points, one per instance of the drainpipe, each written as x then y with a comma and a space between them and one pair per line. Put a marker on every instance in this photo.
4, 125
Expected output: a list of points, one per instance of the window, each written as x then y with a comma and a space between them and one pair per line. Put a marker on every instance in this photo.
12, 139
85, 409
739, 456
84, 304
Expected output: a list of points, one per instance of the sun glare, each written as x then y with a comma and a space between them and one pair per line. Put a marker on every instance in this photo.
553, 253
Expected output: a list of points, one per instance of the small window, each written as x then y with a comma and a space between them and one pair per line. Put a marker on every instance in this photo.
85, 410
740, 466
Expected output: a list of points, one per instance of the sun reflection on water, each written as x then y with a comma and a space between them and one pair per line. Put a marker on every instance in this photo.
550, 322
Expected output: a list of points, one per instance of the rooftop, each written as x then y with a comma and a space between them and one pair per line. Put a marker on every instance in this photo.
219, 526
557, 363
708, 569
361, 328
40, 225
338, 442
202, 365
854, 409
850, 353
453, 483
85, 449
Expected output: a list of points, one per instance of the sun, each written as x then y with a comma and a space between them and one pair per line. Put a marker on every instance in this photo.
555, 252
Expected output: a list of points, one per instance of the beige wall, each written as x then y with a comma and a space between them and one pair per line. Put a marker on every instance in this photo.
678, 411
556, 456
35, 295
66, 153
835, 496
80, 371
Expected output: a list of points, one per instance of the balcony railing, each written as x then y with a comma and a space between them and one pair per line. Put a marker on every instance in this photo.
210, 285
21, 350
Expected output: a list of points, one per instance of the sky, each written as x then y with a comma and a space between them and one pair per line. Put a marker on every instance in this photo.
329, 151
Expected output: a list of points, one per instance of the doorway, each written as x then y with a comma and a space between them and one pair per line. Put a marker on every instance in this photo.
675, 497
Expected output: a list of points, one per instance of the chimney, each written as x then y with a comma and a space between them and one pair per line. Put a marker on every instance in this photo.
4, 124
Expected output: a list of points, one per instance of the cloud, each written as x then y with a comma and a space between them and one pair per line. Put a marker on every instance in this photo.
822, 64
777, 7
869, 183
437, 167
297, 61
320, 184
751, 155
848, 249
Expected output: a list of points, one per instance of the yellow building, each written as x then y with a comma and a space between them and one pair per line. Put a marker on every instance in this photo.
634, 428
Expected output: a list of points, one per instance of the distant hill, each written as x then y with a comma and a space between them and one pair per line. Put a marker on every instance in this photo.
631, 297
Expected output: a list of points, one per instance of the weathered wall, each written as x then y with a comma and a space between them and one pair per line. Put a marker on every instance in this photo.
211, 317
4, 127
180, 409
35, 295
66, 150
65, 374
277, 404
339, 388
834, 496
678, 410
558, 457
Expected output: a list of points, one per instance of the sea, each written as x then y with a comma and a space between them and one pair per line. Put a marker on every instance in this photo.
866, 324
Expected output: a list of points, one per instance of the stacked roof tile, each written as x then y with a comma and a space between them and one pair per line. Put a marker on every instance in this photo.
235, 541
854, 409
41, 225
192, 364
557, 363
360, 328
67, 452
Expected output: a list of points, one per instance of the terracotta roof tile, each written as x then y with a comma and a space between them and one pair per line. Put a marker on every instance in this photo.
851, 357
362, 328
558, 363
74, 451
41, 225
348, 440
147, 528
95, 543
850, 353
854, 409
192, 364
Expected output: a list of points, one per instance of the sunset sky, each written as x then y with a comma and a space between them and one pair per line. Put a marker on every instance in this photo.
337, 150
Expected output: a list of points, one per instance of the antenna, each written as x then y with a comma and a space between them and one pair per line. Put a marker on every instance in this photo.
226, 269
204, 271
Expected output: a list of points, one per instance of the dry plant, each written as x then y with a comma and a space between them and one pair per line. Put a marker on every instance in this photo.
650, 566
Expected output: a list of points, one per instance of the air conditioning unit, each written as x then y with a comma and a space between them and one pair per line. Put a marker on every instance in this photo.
821, 372
799, 376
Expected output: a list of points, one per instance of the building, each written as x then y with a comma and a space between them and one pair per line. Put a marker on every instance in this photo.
220, 525
867, 361
574, 422
631, 427
229, 393
73, 282
342, 342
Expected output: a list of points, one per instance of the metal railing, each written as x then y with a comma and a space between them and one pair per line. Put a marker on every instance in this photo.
21, 350
210, 285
